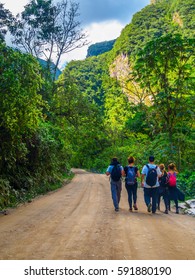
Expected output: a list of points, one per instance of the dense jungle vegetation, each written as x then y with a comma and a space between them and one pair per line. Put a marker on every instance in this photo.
136, 99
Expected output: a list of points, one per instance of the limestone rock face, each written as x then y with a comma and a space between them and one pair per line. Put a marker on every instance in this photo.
177, 19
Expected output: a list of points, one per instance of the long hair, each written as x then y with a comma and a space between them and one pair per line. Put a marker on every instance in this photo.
172, 167
162, 168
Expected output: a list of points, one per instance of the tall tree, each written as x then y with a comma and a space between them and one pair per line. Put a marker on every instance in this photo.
165, 67
20, 105
49, 30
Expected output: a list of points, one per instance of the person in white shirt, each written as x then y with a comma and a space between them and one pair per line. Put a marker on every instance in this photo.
150, 175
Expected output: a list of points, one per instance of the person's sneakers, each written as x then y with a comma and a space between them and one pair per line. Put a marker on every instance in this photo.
166, 211
116, 209
130, 209
177, 211
135, 207
149, 207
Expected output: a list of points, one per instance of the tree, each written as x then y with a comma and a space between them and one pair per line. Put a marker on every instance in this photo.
20, 105
165, 67
80, 119
49, 30
5, 20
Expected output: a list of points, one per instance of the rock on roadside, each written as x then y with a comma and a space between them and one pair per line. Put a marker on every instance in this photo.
188, 207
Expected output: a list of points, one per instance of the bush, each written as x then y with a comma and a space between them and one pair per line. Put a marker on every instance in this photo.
186, 182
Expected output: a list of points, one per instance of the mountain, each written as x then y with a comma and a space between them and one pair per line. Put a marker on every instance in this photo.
100, 48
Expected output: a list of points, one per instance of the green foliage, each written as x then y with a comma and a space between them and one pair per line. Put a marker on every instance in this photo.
33, 153
88, 77
185, 10
186, 182
154, 21
21, 106
81, 119
19, 82
168, 75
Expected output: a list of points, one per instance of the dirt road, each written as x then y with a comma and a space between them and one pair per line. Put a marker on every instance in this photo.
78, 222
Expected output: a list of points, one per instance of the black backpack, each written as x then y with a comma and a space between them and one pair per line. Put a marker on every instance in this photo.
116, 172
163, 180
151, 177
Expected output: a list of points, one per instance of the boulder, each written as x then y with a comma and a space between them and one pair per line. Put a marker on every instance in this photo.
190, 203
190, 211
188, 207
183, 205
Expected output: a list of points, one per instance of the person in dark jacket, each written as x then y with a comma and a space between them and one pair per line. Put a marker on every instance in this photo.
131, 174
115, 184
163, 189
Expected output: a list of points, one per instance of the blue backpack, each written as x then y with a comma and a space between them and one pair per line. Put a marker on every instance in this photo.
131, 176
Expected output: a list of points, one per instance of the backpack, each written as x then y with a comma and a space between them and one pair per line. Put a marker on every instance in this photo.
163, 180
116, 172
131, 176
172, 179
151, 177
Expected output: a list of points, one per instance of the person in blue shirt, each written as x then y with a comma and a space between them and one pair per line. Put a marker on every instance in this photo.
150, 189
115, 183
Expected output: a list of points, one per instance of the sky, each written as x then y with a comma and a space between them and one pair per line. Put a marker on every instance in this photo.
102, 20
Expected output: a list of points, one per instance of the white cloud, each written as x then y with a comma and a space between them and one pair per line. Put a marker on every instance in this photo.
15, 6
103, 31
97, 32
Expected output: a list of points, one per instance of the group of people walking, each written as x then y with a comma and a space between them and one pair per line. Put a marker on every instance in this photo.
156, 183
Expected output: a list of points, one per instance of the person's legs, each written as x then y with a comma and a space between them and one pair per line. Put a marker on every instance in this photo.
147, 193
129, 192
177, 206
166, 201
173, 196
134, 190
154, 193
118, 190
114, 194
176, 200
158, 201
